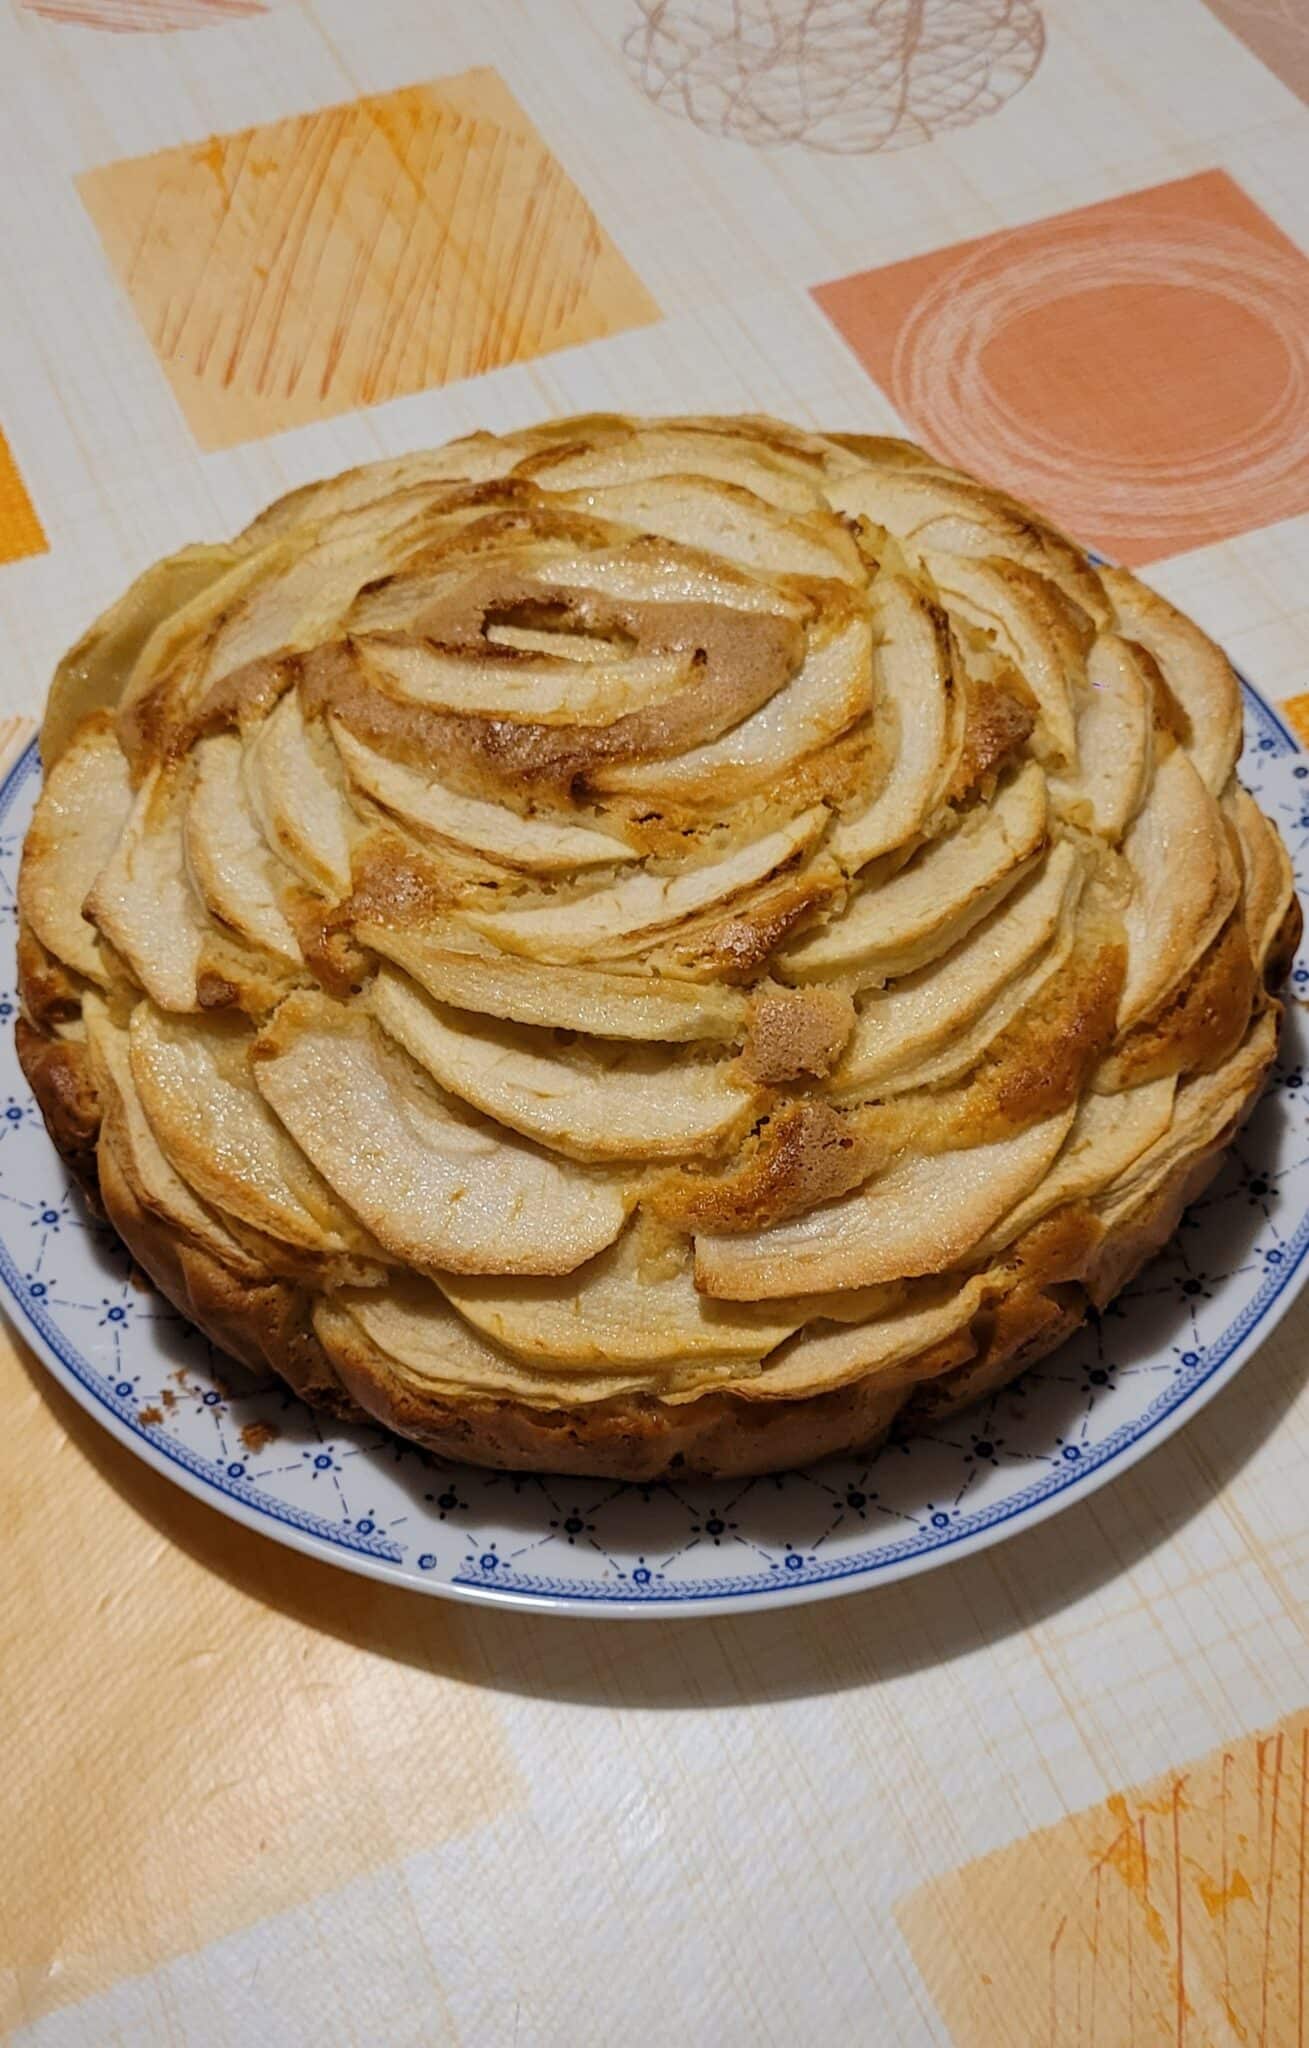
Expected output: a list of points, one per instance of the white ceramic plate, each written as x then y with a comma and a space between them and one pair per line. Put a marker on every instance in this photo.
361, 1498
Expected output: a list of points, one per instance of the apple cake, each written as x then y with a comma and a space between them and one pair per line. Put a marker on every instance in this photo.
646, 945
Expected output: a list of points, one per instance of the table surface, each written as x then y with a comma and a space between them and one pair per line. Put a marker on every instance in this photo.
1056, 1794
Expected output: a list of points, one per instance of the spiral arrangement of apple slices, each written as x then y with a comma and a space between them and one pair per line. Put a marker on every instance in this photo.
638, 944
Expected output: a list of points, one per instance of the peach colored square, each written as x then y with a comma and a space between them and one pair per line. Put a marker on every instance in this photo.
201, 1728
1277, 31
1171, 1914
1136, 368
20, 529
340, 258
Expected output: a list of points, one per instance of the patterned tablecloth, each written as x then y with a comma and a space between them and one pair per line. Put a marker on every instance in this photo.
1057, 1795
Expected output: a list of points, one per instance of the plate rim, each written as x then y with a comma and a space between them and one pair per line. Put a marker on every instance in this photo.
860, 1573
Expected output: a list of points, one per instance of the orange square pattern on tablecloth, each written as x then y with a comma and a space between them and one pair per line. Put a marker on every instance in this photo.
1174, 1913
20, 529
1136, 368
1278, 33
203, 1729
340, 258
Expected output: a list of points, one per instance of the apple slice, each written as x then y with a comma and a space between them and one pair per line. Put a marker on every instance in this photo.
1025, 995
1269, 882
892, 927
437, 812
922, 1216
1026, 620
126, 1131
633, 1006
825, 1357
514, 683
915, 685
409, 1338
1185, 884
193, 1077
296, 798
626, 1308
1204, 1110
1115, 743
474, 458
633, 1105
941, 512
308, 589
919, 1015
673, 451
438, 1187
143, 900
228, 856
831, 691
1199, 674
1109, 1133
92, 674
729, 520
628, 912
86, 802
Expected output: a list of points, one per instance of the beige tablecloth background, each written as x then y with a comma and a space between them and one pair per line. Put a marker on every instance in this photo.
1055, 1795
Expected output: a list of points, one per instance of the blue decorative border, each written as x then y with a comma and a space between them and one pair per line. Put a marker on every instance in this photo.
1275, 738
210, 1470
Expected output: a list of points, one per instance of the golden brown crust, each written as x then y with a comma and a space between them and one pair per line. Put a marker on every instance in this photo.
625, 1439
1198, 1028
1282, 952
739, 947
1040, 1065
805, 1154
59, 1074
997, 724
49, 994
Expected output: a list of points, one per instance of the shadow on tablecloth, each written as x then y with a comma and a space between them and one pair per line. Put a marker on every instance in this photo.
861, 1639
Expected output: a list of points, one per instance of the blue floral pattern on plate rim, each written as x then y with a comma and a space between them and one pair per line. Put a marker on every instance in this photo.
361, 1498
